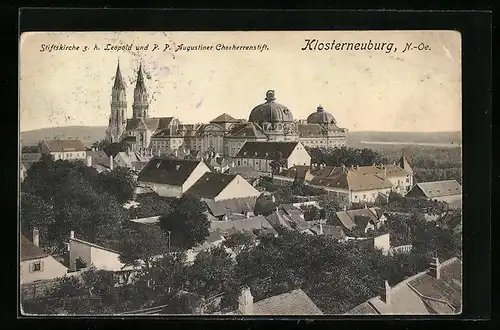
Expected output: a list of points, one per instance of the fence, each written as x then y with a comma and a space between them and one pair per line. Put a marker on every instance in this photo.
400, 249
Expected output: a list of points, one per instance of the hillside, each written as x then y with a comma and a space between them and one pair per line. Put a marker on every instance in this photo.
375, 140
88, 134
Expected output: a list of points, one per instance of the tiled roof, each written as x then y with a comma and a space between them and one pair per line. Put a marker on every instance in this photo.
210, 185
30, 251
168, 171
62, 146
279, 219
390, 170
298, 171
403, 163
440, 188
267, 150
166, 132
364, 309
99, 158
246, 172
290, 303
448, 288
152, 124
404, 301
366, 213
346, 220
246, 130
312, 130
243, 225
225, 118
237, 205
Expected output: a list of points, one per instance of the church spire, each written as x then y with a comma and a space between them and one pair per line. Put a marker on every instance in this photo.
119, 83
140, 79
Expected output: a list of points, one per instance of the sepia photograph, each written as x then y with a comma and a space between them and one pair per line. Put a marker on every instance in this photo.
240, 173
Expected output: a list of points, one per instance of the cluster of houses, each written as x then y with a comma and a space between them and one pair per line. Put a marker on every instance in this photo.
228, 189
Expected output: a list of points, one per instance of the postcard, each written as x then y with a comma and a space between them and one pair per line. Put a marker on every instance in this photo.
240, 173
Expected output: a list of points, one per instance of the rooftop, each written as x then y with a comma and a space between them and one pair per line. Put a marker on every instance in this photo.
168, 171
267, 150
210, 185
440, 188
30, 251
48, 146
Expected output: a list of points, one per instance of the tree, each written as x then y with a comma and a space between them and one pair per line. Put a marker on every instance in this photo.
30, 149
311, 213
239, 241
329, 207
396, 199
212, 273
119, 182
151, 205
139, 247
111, 149
187, 223
36, 213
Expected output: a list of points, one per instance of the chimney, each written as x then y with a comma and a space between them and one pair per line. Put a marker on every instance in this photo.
387, 294
276, 209
111, 162
385, 173
36, 237
71, 234
273, 199
245, 301
89, 160
248, 215
435, 269
344, 207
321, 229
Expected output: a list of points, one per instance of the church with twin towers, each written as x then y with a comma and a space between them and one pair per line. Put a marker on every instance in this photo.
269, 121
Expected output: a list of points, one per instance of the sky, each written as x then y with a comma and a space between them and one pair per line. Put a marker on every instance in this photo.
416, 90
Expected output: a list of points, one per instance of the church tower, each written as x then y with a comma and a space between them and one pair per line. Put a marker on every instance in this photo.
118, 118
140, 107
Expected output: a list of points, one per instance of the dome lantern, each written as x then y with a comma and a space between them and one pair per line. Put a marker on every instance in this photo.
270, 111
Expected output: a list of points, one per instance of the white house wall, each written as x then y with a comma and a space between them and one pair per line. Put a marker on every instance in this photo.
198, 172
368, 196
237, 188
51, 269
299, 156
383, 243
78, 250
106, 260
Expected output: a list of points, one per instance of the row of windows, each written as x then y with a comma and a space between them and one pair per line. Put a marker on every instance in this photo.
69, 155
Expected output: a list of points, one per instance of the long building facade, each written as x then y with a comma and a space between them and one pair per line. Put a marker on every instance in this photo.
224, 135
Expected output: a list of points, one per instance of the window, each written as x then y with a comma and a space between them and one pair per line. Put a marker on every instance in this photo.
36, 266
407, 180
239, 163
364, 196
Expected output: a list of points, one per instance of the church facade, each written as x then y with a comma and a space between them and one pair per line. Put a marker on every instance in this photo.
224, 135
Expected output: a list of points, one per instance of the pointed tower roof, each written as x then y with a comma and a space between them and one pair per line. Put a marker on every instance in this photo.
403, 163
140, 79
119, 83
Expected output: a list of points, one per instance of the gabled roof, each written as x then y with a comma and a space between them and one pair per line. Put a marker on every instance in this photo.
266, 150
237, 205
364, 309
30, 251
348, 179
295, 302
152, 124
364, 213
225, 118
246, 172
346, 220
99, 158
297, 171
440, 188
244, 225
168, 171
403, 163
279, 219
48, 146
210, 185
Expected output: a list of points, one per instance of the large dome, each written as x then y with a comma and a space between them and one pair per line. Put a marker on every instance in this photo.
321, 117
270, 111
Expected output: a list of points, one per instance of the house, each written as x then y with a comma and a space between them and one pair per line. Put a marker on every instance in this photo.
218, 187
438, 290
295, 302
171, 177
334, 232
449, 191
289, 175
219, 209
290, 220
64, 149
84, 254
220, 164
36, 265
265, 157
135, 161
366, 218
249, 173
100, 161
253, 225
380, 242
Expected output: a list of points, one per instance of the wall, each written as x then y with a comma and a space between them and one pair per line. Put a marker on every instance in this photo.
165, 190
401, 187
449, 199
299, 156
237, 188
368, 196
198, 172
106, 260
51, 269
382, 242
69, 155
78, 250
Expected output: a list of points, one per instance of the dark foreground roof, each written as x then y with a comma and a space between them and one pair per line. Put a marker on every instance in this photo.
267, 150
210, 185
30, 251
168, 171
